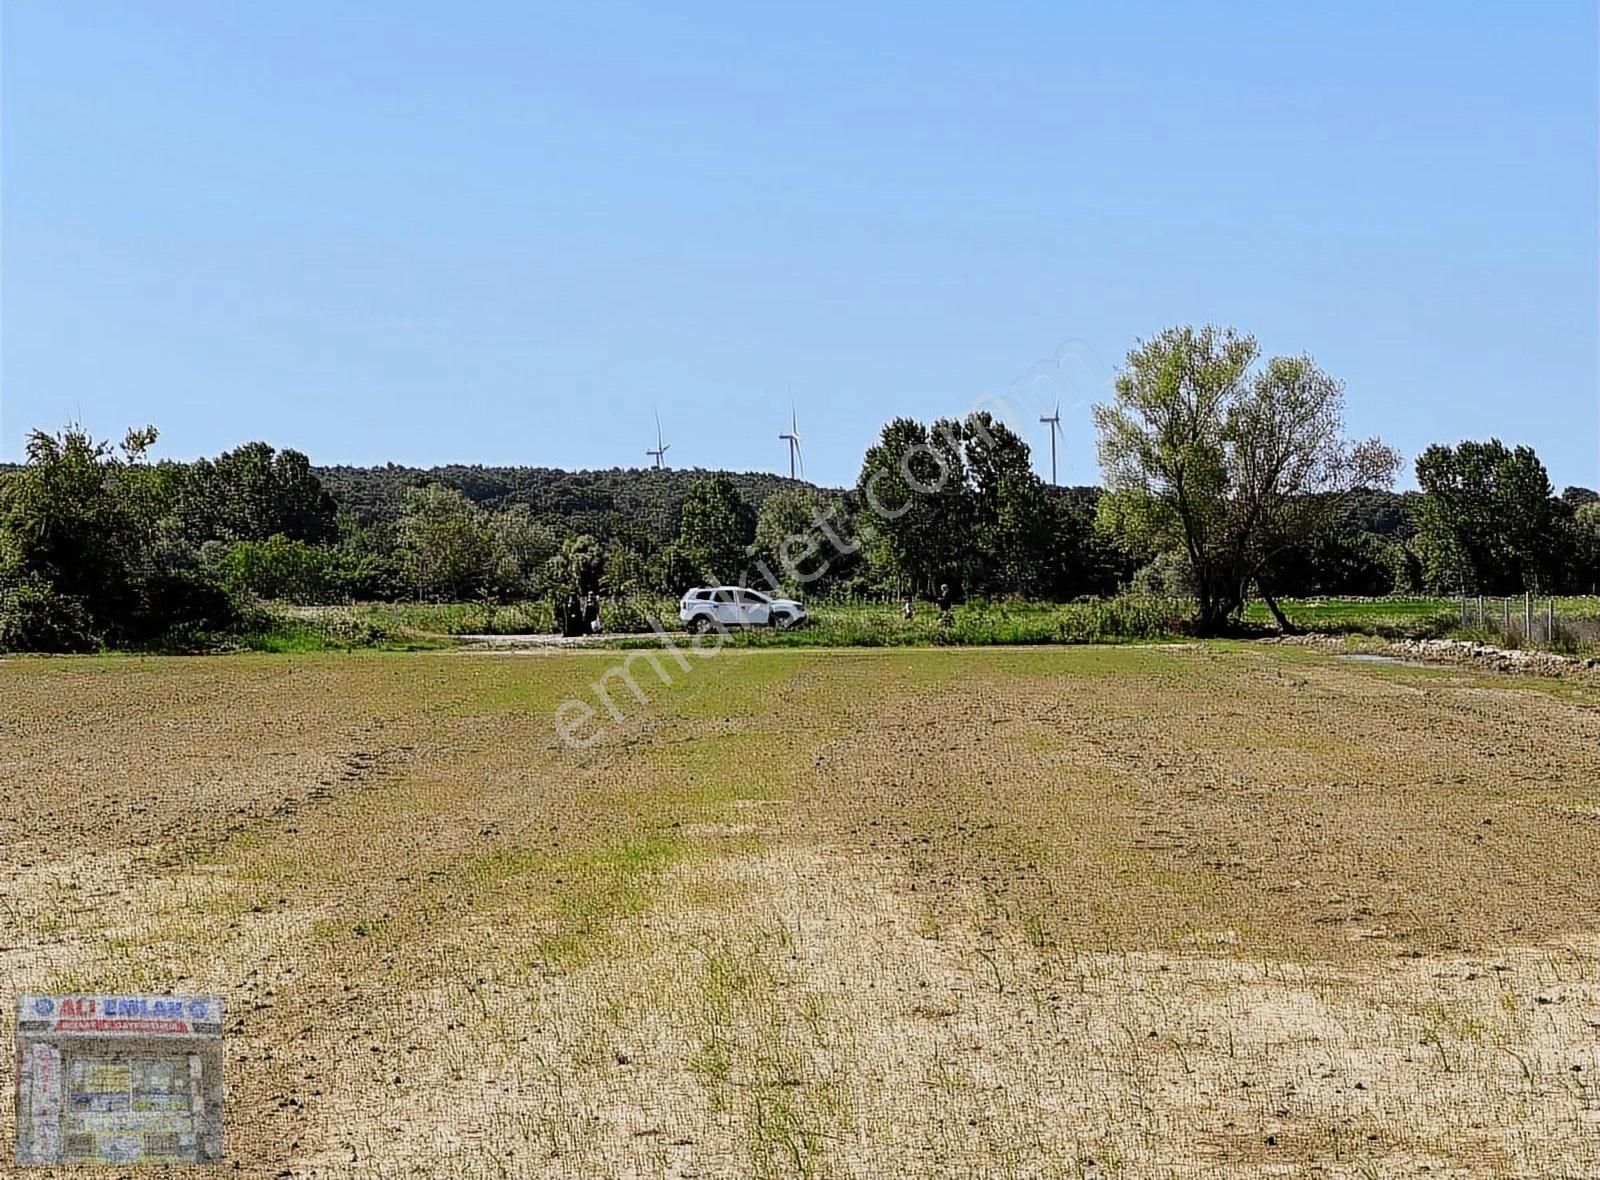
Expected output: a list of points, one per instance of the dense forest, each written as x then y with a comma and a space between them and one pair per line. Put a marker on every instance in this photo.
104, 546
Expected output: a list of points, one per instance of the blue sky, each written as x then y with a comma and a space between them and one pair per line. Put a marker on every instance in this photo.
502, 233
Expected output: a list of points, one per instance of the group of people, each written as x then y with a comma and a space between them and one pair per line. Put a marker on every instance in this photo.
908, 608
580, 615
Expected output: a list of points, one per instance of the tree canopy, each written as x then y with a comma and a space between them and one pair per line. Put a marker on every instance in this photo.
716, 530
1489, 522
1230, 462
90, 552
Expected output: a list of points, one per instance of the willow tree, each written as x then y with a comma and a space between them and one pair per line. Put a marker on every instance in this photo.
1227, 460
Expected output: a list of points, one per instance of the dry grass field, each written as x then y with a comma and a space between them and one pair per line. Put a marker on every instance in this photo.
1181, 911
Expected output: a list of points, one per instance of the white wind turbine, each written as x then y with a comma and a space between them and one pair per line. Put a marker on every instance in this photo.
1055, 428
660, 452
792, 437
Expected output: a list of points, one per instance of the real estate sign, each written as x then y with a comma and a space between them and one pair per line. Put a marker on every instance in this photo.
119, 1079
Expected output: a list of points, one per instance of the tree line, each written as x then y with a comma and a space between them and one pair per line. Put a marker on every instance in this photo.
1226, 476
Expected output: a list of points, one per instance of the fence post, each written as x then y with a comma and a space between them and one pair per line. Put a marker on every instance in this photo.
1527, 617
1480, 612
1550, 622
1505, 607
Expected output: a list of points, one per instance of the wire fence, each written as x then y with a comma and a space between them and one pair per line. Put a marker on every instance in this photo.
1531, 621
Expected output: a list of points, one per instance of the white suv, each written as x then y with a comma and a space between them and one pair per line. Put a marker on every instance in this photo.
705, 607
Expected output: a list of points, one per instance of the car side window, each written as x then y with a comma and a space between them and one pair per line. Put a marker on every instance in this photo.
751, 598
724, 596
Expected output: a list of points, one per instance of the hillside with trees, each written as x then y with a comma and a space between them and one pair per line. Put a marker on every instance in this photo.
1228, 477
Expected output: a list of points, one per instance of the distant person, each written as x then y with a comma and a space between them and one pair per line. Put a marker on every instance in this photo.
908, 609
944, 599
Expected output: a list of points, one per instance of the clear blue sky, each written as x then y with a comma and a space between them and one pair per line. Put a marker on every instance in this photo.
437, 232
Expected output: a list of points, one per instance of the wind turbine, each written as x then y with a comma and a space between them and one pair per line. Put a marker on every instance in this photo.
1055, 426
660, 453
792, 437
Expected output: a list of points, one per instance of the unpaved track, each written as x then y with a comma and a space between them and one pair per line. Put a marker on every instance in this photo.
1192, 912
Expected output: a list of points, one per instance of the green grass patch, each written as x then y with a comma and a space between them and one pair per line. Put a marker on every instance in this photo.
459, 618
1387, 617
1128, 618
290, 631
1577, 620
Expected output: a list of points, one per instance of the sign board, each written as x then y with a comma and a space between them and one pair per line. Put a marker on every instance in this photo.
119, 1079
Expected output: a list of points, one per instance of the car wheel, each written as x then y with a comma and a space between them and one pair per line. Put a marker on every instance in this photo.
779, 621
700, 624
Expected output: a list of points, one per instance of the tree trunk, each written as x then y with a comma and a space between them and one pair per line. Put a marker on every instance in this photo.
1284, 624
1214, 613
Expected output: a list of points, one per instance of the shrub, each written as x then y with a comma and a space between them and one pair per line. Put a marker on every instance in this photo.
176, 604
1169, 575
635, 612
521, 618
33, 617
279, 568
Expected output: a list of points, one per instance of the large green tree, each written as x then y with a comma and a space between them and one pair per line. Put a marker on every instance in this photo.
916, 503
255, 492
716, 529
90, 552
1586, 563
1015, 544
1229, 461
1488, 521
804, 538
960, 502
576, 567
520, 545
444, 544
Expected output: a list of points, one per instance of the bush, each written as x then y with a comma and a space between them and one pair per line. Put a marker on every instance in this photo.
635, 612
1169, 575
264, 629
521, 618
291, 571
1127, 616
33, 617
349, 631
176, 604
